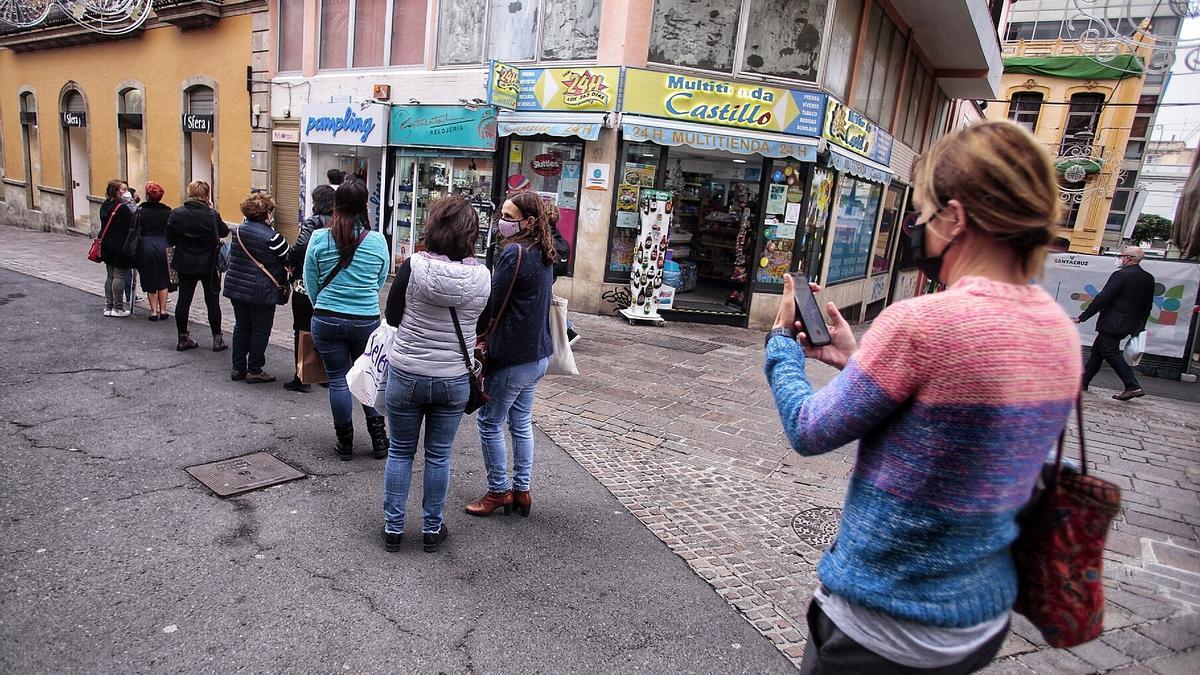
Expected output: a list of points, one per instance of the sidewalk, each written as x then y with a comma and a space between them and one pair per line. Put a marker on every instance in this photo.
678, 424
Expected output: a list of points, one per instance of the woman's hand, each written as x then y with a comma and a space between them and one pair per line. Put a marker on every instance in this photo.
843, 344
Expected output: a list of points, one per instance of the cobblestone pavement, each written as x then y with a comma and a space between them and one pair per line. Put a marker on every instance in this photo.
678, 424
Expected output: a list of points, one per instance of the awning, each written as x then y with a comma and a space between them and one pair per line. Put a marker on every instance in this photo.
565, 124
862, 167
1118, 67
727, 139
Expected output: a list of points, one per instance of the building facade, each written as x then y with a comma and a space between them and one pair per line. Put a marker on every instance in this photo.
1164, 173
173, 101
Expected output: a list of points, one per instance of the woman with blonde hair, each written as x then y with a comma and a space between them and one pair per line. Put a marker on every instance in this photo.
195, 229
955, 398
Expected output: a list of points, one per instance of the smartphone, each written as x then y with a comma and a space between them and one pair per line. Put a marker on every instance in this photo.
810, 315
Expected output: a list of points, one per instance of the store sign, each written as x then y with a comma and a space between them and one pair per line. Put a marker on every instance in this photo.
285, 135
345, 124
704, 100
198, 124
586, 131
720, 140
582, 89
74, 119
852, 131
547, 165
443, 126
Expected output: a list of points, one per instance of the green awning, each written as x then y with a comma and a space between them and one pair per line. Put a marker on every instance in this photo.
1076, 67
1089, 166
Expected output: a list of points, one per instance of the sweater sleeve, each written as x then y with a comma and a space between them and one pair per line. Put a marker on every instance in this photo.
312, 279
879, 378
279, 247
394, 311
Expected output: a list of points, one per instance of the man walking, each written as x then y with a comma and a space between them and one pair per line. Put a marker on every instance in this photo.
1123, 305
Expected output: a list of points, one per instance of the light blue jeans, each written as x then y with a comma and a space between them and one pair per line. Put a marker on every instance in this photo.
439, 403
512, 390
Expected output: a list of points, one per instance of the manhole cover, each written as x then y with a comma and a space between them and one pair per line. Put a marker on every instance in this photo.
678, 343
243, 474
734, 342
817, 527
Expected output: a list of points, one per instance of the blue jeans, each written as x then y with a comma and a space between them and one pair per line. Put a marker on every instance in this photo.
512, 390
251, 333
439, 402
339, 341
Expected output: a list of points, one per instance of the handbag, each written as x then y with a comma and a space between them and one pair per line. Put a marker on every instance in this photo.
481, 346
309, 366
562, 361
1059, 554
478, 396
1134, 348
172, 273
94, 252
282, 289
222, 250
367, 378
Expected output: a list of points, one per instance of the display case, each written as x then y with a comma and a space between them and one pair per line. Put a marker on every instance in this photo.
423, 177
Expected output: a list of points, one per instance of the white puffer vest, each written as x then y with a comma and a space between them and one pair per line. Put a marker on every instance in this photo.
425, 342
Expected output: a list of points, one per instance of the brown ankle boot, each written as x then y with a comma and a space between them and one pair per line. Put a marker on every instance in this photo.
491, 501
522, 500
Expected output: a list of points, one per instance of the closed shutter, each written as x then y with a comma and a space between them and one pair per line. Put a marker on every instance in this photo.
285, 178
201, 101
74, 103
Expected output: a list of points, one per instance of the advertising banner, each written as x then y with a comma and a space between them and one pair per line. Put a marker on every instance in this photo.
1073, 279
704, 100
577, 89
850, 130
443, 126
344, 124
503, 85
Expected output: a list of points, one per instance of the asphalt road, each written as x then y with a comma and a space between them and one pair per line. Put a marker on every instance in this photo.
113, 559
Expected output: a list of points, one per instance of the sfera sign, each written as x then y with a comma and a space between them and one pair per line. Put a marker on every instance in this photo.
345, 124
74, 119
546, 165
198, 124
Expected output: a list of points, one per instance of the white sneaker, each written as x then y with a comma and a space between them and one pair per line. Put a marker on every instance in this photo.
120, 312
108, 312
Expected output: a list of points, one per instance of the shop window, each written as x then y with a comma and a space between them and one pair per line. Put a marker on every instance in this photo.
854, 229
131, 136
473, 31
1082, 115
639, 170
1024, 108
816, 223
881, 260
553, 170
290, 36
786, 240
915, 112
779, 39
843, 39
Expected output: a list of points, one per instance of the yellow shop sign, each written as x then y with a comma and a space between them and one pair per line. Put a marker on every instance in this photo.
705, 100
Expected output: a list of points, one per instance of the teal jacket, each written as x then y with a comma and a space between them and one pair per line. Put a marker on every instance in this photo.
355, 290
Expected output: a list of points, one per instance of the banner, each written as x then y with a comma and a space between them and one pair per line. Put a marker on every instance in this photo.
504, 85
704, 100
579, 89
1073, 279
850, 130
344, 124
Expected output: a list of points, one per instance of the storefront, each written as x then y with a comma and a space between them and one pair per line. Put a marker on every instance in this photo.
439, 150
347, 136
738, 160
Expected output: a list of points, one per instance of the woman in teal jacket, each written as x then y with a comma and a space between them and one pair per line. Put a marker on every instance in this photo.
345, 267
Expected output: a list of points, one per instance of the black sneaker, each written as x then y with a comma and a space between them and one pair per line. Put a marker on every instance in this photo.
572, 336
237, 375
295, 384
432, 542
391, 541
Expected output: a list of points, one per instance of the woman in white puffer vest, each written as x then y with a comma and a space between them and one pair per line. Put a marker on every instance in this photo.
428, 381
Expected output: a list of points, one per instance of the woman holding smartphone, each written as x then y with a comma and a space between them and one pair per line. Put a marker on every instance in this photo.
955, 408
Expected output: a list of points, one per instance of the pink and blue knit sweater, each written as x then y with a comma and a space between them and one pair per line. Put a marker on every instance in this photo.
956, 399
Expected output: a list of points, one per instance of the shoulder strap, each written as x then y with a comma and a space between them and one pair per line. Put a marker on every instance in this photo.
237, 233
1063, 438
504, 305
340, 265
111, 215
462, 342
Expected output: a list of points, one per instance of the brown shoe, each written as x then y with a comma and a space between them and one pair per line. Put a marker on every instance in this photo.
185, 343
259, 377
522, 500
491, 501
219, 343
1128, 394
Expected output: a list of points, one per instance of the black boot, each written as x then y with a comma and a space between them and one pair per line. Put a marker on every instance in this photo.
379, 440
345, 442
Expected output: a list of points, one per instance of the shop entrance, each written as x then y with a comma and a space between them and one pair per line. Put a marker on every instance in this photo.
423, 176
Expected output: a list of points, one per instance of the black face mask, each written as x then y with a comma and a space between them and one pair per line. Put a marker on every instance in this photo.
930, 265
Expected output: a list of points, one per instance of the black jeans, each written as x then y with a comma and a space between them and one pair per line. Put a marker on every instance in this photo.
251, 332
212, 300
829, 650
1107, 347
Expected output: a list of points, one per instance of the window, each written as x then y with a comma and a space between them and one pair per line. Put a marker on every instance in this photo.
552, 169
1024, 109
1047, 30
1020, 30
199, 146
130, 136
839, 58
1121, 202
778, 39
854, 229
639, 170
290, 49
473, 31
879, 72
370, 32
1082, 115
358, 33
408, 32
335, 22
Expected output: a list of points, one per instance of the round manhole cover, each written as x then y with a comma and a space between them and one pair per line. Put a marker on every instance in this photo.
817, 527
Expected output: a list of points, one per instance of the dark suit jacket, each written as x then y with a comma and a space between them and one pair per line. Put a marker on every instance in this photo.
1124, 304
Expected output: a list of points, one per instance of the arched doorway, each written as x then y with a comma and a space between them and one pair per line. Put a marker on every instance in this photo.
131, 136
198, 127
77, 172
31, 145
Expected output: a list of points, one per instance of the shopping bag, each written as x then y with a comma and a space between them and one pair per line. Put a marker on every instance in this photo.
309, 366
562, 361
1134, 348
367, 378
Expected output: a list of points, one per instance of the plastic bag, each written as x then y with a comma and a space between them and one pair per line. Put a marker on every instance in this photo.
367, 378
1134, 348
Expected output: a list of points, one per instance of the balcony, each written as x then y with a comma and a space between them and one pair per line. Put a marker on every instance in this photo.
961, 41
58, 30
188, 14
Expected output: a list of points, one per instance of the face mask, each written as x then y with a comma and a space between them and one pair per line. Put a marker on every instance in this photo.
127, 198
508, 227
930, 265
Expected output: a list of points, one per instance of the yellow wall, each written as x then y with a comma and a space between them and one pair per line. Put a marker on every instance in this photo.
1112, 132
161, 59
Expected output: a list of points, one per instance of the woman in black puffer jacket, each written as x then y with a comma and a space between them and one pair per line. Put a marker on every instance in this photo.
256, 283
196, 230
116, 218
